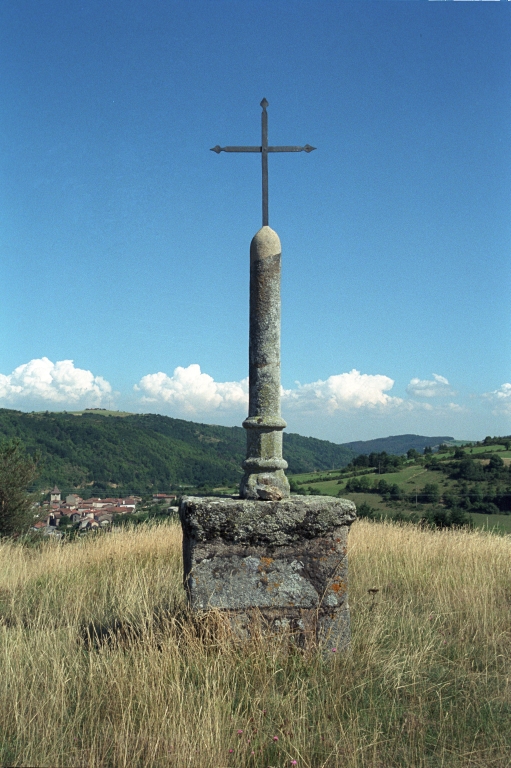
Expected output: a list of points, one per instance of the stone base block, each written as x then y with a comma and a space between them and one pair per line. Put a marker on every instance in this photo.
282, 564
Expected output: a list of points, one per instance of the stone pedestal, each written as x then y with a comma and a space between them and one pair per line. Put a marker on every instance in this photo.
283, 562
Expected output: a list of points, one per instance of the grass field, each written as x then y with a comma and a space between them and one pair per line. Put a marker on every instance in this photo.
101, 412
411, 480
96, 412
496, 523
408, 478
101, 665
496, 448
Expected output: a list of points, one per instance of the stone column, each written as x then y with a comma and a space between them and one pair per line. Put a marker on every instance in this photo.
264, 466
270, 561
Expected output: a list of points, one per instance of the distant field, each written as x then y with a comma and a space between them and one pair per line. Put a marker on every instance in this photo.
93, 411
411, 479
485, 448
408, 478
494, 523
313, 477
101, 413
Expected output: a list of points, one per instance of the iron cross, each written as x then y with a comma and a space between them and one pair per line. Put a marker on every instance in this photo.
264, 149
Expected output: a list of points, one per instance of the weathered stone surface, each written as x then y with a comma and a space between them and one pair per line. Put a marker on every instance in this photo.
260, 581
285, 560
264, 466
271, 523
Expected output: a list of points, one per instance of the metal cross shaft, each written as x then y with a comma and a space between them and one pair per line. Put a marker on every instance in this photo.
264, 149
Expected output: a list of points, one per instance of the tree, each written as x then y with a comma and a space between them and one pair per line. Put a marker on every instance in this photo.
450, 500
430, 493
364, 484
475, 495
495, 465
382, 487
468, 469
364, 510
17, 472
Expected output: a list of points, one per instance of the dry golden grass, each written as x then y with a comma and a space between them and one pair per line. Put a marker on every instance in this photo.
101, 665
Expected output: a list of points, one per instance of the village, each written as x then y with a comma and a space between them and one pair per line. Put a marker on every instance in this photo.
85, 515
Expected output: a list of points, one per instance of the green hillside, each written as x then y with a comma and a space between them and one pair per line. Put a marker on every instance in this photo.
456, 485
141, 453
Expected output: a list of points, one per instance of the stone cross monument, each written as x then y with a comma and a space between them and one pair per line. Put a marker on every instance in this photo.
266, 555
264, 466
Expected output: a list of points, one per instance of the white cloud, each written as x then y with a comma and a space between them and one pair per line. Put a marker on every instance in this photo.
342, 392
503, 393
438, 387
502, 399
189, 391
60, 382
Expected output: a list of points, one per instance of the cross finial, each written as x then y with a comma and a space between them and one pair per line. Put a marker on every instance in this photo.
263, 149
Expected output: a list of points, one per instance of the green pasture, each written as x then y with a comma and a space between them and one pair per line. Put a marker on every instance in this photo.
408, 479
500, 524
92, 412
100, 413
500, 448
316, 477
494, 523
374, 500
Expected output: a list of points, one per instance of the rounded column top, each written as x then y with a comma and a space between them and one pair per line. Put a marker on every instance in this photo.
265, 243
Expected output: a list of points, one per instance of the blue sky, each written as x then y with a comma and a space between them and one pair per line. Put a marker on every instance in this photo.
124, 241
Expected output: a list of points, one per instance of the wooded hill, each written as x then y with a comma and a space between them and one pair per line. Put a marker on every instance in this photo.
145, 453
398, 444
454, 486
142, 453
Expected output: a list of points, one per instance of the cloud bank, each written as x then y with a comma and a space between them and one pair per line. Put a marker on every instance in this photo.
501, 398
342, 392
190, 392
438, 387
353, 400
40, 381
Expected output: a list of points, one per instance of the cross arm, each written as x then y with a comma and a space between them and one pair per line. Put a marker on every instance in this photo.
306, 148
218, 149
